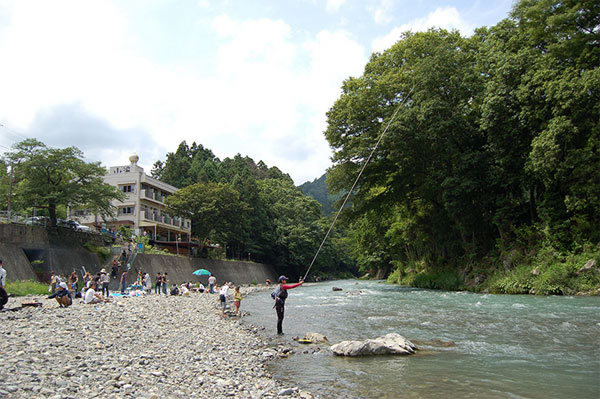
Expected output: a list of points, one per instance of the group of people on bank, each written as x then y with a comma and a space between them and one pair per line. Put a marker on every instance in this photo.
64, 290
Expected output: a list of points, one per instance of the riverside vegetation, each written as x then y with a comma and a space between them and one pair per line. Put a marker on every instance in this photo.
488, 178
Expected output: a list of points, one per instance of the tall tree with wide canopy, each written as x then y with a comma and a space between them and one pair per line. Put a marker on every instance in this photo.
215, 209
49, 177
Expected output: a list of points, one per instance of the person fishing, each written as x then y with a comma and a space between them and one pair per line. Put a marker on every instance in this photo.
280, 295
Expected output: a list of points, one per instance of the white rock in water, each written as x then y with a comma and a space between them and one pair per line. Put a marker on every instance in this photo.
389, 344
288, 391
315, 338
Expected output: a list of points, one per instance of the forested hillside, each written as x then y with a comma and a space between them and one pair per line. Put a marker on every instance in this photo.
318, 190
490, 173
254, 210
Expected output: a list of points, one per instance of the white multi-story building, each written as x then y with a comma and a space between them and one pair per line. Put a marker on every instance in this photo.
143, 209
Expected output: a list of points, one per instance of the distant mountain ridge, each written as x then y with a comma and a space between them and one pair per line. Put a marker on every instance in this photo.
318, 190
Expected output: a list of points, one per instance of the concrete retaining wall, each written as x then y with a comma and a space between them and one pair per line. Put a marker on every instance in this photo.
238, 272
31, 252
179, 269
61, 261
16, 263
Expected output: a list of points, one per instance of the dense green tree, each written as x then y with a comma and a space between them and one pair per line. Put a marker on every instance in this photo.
214, 209
431, 157
53, 177
186, 166
295, 218
273, 221
540, 114
496, 135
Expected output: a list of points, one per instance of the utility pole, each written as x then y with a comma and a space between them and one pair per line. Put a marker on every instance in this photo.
10, 186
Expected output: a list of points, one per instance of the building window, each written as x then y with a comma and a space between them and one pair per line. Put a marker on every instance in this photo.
127, 210
128, 188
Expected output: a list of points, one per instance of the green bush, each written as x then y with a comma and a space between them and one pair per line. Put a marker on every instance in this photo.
22, 288
549, 272
438, 279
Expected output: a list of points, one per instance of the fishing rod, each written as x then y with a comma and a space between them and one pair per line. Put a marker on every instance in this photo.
356, 181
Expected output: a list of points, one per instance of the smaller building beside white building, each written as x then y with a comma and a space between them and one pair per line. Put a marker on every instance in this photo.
143, 209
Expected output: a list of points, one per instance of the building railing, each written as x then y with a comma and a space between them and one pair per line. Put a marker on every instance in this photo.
172, 221
153, 195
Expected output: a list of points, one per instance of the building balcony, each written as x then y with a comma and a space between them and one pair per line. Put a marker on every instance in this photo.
152, 196
165, 219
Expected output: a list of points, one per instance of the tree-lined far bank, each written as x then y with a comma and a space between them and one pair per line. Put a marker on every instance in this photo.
492, 159
252, 210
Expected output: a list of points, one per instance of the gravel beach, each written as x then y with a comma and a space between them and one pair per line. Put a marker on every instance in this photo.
142, 347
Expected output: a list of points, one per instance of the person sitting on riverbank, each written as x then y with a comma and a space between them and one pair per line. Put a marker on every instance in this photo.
184, 290
201, 288
91, 296
62, 295
174, 290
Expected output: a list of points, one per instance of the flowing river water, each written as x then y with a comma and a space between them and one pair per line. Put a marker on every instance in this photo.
506, 346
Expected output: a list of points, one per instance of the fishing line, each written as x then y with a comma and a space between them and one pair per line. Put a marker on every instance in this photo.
356, 181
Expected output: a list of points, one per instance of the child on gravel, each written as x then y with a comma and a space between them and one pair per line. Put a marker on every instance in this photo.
237, 299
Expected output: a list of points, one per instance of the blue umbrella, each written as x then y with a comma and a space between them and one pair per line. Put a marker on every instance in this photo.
201, 272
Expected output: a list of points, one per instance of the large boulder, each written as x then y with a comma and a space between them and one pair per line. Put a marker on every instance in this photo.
389, 344
588, 267
315, 338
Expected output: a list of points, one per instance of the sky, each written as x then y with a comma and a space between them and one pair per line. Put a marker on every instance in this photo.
254, 77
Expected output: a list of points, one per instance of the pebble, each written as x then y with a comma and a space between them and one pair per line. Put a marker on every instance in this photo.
142, 347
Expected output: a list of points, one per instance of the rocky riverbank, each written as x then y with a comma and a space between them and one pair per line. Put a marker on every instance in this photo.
142, 347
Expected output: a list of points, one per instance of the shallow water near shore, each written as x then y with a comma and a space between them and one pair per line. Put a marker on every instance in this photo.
507, 346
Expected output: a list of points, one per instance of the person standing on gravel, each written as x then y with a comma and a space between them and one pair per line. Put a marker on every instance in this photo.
223, 298
212, 281
164, 283
237, 299
123, 282
3, 293
2, 275
104, 279
3, 297
280, 295
53, 281
74, 281
148, 283
158, 283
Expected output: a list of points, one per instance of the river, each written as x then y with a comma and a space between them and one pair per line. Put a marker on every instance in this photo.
506, 346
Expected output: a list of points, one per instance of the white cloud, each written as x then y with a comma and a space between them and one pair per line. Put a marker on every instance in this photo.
443, 17
334, 5
381, 13
266, 99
